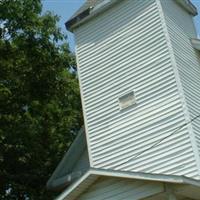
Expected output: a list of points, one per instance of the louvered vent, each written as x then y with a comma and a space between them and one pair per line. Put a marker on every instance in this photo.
127, 100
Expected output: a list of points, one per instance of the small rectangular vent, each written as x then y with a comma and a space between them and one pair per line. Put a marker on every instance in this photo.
127, 100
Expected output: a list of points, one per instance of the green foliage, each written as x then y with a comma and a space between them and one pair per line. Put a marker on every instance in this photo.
40, 110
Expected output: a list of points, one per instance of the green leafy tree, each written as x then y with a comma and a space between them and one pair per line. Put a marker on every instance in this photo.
40, 109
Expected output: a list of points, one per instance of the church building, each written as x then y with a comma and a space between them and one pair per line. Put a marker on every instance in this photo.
139, 73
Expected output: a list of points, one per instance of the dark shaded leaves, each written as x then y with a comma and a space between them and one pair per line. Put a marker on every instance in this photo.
40, 110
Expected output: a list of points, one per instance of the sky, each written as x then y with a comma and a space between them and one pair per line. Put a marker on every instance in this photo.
66, 8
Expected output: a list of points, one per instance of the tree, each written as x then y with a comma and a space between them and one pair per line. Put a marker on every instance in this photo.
40, 109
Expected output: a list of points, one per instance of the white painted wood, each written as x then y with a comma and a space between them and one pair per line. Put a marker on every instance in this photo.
181, 185
117, 189
68, 193
188, 6
84, 113
145, 47
146, 176
196, 43
125, 49
181, 30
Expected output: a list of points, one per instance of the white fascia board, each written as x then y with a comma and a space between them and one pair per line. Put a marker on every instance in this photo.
73, 186
196, 43
101, 5
127, 175
146, 176
99, 8
188, 6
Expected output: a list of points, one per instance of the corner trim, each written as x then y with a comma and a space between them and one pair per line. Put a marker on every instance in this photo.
180, 88
84, 112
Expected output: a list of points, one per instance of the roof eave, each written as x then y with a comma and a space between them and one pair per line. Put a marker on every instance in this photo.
196, 43
93, 11
146, 176
69, 24
188, 6
89, 177
88, 14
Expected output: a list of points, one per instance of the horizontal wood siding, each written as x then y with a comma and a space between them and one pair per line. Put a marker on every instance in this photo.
118, 189
123, 50
181, 29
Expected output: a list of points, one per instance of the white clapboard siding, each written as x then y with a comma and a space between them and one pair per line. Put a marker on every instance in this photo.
118, 189
181, 29
122, 50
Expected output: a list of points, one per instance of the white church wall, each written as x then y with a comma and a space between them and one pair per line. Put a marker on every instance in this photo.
121, 51
117, 189
181, 30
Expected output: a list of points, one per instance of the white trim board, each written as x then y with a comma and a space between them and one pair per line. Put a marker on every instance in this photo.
89, 177
196, 43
